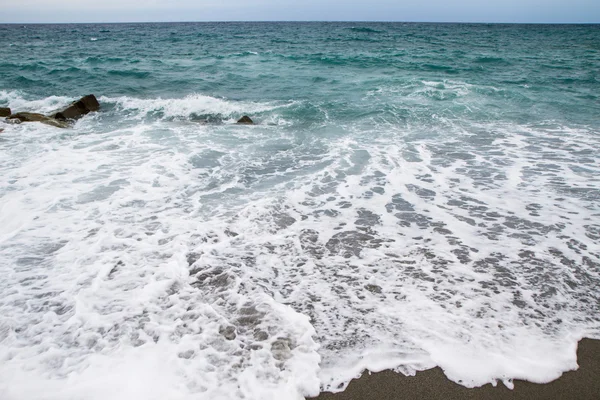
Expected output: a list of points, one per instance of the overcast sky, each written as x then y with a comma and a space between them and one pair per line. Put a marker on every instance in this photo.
19, 11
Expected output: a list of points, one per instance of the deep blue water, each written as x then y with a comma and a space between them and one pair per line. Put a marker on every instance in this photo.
536, 72
410, 195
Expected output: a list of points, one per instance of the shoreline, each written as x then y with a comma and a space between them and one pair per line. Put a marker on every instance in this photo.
581, 384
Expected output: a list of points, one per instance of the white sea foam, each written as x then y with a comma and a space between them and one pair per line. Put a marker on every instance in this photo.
104, 290
189, 105
196, 104
18, 101
168, 259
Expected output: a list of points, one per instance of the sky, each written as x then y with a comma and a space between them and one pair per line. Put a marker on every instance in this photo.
519, 11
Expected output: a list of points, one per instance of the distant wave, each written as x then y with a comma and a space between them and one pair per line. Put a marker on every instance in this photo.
364, 29
130, 73
195, 106
490, 60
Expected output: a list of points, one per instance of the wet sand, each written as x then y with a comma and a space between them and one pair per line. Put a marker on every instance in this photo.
582, 384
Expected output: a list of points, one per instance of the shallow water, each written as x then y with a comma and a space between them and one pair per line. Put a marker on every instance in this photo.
411, 195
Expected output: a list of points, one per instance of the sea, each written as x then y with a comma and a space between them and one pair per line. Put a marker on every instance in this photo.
410, 195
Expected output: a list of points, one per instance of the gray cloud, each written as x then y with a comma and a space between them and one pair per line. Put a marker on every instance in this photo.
228, 10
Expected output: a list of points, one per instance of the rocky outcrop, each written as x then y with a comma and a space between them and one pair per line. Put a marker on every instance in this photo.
245, 120
35, 117
78, 108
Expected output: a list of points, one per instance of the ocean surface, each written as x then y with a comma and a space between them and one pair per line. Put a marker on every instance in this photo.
411, 195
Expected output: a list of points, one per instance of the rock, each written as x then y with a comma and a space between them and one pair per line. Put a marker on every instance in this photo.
245, 120
34, 117
4, 111
91, 102
26, 117
79, 108
74, 111
1, 130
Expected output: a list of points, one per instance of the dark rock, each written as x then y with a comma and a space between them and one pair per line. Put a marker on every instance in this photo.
34, 117
91, 103
245, 120
74, 111
79, 108
27, 117
4, 111
1, 130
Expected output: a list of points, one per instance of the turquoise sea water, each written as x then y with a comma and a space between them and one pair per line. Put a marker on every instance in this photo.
410, 195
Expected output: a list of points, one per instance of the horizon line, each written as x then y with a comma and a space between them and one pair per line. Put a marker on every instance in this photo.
305, 21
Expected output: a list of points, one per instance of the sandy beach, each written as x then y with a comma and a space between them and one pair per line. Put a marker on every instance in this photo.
582, 384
